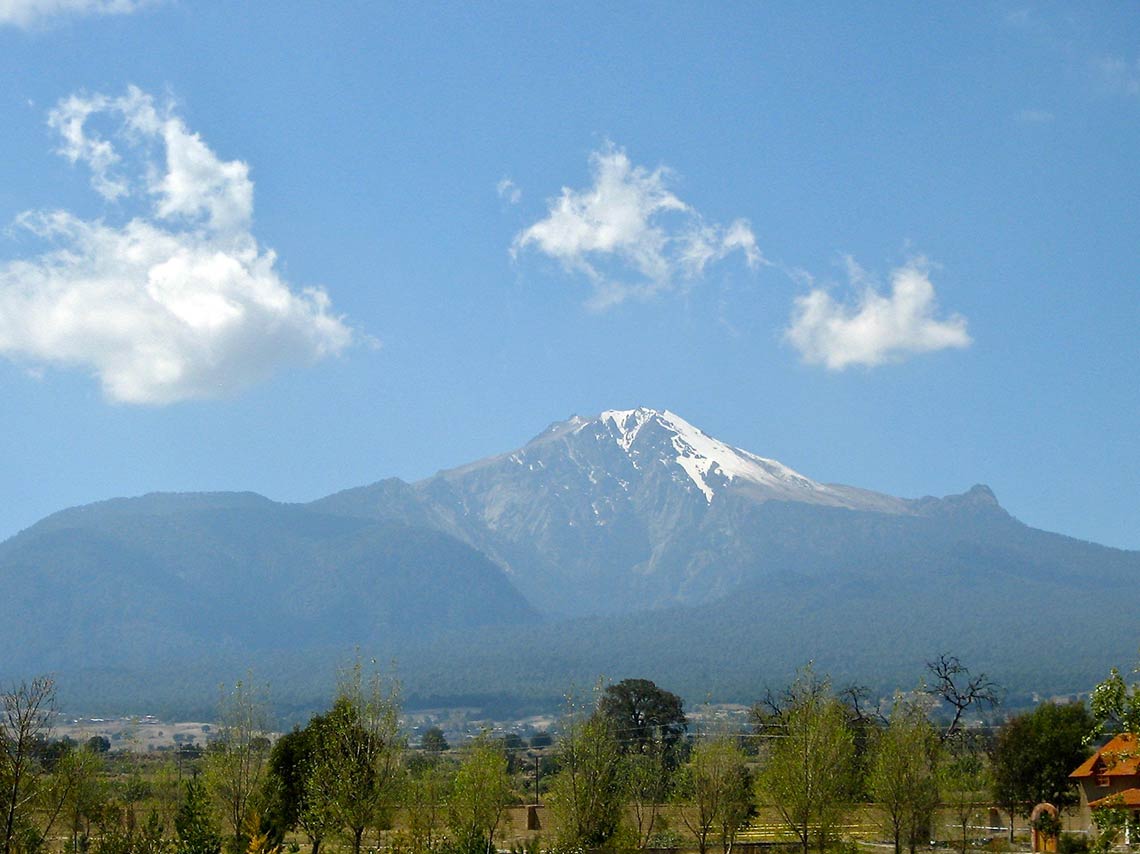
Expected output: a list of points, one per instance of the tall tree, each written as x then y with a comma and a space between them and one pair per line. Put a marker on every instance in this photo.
358, 770
427, 791
965, 784
480, 796
293, 799
236, 765
808, 770
958, 690
716, 792
903, 778
643, 716
1034, 754
27, 711
649, 779
86, 795
587, 795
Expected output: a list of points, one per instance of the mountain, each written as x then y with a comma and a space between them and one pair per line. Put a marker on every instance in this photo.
128, 582
628, 544
633, 509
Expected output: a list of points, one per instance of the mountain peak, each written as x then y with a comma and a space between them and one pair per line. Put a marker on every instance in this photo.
644, 434
981, 494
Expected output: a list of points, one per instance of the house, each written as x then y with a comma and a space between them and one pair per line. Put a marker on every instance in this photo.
1111, 777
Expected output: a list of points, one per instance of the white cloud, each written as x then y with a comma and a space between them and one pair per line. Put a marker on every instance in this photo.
27, 13
1121, 75
509, 191
177, 304
876, 328
629, 223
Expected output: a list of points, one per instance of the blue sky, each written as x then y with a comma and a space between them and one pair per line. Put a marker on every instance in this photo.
293, 248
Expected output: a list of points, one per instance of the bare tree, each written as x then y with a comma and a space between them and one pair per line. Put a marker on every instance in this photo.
27, 712
954, 686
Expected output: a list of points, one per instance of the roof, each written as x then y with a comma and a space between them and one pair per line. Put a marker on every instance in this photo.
1119, 758
1127, 798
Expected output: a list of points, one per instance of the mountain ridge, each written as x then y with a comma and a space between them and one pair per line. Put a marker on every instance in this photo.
623, 511
631, 543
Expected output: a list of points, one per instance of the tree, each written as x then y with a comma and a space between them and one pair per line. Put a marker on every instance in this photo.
643, 716
955, 687
194, 824
427, 791
27, 711
903, 778
292, 798
356, 776
587, 795
1034, 754
965, 783
1115, 706
236, 765
432, 741
480, 797
716, 792
808, 773
648, 780
85, 796
1111, 822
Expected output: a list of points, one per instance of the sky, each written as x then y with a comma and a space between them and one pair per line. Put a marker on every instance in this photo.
294, 248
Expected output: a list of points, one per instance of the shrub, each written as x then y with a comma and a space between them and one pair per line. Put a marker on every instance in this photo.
1072, 843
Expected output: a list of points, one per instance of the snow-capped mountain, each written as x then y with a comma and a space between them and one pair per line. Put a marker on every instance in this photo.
628, 510
704, 566
646, 435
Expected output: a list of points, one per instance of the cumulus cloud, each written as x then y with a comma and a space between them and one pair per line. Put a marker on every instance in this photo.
177, 303
27, 13
874, 328
629, 234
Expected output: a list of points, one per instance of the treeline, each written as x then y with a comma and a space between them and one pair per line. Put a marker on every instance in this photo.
625, 773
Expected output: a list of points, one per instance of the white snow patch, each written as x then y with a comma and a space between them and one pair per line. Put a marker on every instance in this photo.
709, 463
702, 456
627, 423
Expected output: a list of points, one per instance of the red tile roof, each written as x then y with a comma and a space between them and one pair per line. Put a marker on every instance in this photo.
1127, 798
1119, 758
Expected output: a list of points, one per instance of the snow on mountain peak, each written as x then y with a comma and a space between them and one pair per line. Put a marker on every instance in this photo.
627, 423
708, 462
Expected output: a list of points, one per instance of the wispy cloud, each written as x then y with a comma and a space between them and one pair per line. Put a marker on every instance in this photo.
509, 191
629, 234
29, 13
874, 328
178, 303
1120, 75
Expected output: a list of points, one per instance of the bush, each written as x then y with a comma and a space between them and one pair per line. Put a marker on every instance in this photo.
1072, 843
